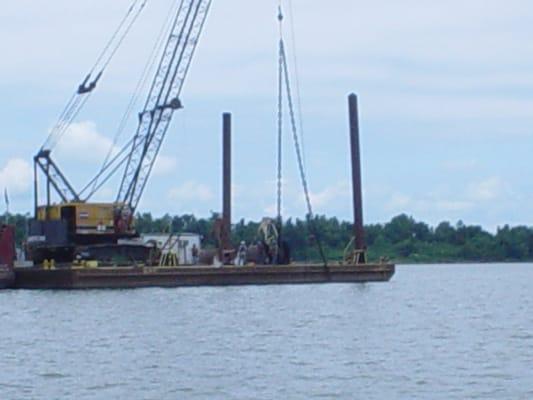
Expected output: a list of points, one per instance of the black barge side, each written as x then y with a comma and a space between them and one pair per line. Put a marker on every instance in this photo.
140, 277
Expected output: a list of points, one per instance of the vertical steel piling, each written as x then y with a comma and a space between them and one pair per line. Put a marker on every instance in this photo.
359, 232
226, 179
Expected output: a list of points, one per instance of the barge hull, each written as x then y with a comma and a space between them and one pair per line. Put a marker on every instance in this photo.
7, 279
124, 278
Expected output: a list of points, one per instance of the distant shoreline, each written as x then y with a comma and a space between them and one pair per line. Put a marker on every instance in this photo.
403, 239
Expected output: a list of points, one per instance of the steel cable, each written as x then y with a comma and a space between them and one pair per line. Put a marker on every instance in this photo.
141, 84
299, 157
75, 105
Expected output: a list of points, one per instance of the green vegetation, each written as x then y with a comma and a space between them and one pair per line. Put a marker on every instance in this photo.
402, 239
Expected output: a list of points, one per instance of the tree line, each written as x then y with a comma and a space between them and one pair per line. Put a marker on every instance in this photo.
403, 239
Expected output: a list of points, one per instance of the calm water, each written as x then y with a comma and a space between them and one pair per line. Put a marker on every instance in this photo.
447, 332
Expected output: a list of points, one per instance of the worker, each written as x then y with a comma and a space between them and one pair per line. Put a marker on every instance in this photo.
269, 258
241, 254
195, 254
260, 252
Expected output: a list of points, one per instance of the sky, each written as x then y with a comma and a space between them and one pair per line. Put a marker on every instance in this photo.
445, 94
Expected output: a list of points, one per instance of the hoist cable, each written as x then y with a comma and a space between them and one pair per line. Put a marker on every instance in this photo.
124, 35
163, 99
280, 134
114, 36
191, 36
141, 84
299, 157
124, 150
119, 164
285, 78
297, 82
62, 128
84, 91
280, 123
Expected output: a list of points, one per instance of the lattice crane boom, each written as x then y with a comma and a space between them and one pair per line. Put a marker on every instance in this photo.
163, 99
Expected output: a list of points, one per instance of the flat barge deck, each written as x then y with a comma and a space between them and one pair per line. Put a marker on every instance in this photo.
140, 277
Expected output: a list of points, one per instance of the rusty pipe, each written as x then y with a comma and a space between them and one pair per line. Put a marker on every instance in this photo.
226, 179
358, 230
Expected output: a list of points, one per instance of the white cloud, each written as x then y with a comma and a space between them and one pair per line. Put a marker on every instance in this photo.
398, 202
328, 200
165, 165
490, 199
453, 205
486, 190
337, 192
191, 191
16, 176
82, 142
444, 201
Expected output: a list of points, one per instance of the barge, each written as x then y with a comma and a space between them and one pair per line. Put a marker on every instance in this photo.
63, 278
7, 278
218, 268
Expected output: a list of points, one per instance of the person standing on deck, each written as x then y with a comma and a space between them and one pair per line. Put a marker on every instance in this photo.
195, 254
241, 254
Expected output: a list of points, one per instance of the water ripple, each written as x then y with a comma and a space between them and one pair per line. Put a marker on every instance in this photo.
451, 332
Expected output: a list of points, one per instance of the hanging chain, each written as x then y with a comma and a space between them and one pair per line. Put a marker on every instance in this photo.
284, 76
279, 220
280, 126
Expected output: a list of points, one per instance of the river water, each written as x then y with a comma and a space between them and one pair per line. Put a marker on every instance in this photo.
433, 332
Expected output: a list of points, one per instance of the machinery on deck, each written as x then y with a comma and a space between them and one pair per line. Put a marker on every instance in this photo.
76, 228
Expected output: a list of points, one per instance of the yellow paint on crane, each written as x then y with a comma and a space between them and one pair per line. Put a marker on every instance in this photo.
87, 218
